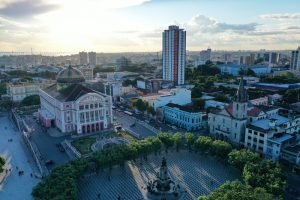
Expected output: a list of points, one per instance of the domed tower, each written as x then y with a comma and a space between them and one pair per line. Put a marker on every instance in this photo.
240, 102
69, 76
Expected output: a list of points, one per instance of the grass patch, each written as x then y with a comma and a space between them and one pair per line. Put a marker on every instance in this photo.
83, 145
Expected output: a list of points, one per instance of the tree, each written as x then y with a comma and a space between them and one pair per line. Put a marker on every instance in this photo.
177, 138
239, 158
151, 110
221, 98
265, 174
6, 104
31, 100
2, 88
2, 163
140, 105
235, 190
189, 138
166, 139
203, 143
221, 148
291, 96
250, 72
198, 103
196, 92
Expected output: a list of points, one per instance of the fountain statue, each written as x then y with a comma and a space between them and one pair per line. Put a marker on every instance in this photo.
163, 187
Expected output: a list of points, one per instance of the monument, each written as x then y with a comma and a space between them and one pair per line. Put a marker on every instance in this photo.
163, 187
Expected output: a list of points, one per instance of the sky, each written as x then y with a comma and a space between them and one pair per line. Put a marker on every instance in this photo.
137, 25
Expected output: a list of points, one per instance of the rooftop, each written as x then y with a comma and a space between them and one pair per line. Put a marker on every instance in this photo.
184, 108
264, 123
282, 138
71, 93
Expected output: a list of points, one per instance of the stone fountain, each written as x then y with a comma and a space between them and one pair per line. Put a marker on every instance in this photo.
163, 187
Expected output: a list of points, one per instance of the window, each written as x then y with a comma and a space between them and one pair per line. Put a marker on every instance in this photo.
261, 135
96, 105
86, 106
260, 148
92, 106
261, 141
81, 107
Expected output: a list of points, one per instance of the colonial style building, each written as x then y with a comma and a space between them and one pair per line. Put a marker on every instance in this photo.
229, 123
185, 117
18, 91
72, 107
269, 136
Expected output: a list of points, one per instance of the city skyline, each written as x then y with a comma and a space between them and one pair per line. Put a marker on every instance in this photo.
137, 25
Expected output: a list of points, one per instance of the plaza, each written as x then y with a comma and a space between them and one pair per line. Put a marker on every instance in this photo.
196, 173
16, 187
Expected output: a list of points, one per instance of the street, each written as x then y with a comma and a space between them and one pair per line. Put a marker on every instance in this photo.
126, 122
46, 143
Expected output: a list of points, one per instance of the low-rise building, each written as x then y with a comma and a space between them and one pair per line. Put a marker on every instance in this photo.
260, 101
185, 117
87, 72
269, 135
18, 91
180, 96
291, 154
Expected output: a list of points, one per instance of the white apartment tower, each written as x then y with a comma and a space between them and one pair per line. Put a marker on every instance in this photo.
174, 53
92, 59
83, 58
295, 60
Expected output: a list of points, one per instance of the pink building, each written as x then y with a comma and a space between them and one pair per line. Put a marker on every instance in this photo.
72, 107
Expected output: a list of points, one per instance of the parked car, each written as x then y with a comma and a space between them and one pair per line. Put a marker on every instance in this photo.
49, 162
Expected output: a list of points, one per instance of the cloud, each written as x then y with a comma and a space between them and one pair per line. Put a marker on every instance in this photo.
26, 9
293, 28
281, 16
201, 23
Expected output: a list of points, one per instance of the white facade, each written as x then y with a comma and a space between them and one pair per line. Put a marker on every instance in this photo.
260, 101
295, 59
188, 119
89, 113
87, 72
17, 92
174, 54
180, 96
268, 136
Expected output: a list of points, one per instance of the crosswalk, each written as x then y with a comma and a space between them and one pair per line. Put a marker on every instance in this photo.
198, 175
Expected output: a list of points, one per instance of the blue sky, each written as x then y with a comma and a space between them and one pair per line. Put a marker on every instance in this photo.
136, 25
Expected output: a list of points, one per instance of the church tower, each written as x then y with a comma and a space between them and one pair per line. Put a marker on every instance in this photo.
240, 102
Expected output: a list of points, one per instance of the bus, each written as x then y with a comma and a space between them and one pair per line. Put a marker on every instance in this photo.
128, 113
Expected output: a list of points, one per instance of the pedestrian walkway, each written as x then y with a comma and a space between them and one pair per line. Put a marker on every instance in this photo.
16, 187
198, 175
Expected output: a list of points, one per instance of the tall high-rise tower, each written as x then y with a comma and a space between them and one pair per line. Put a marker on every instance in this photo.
83, 58
295, 60
92, 59
174, 53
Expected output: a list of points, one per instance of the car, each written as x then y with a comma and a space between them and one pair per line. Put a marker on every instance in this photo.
131, 125
49, 162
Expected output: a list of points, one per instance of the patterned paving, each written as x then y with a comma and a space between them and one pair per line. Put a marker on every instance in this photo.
198, 174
